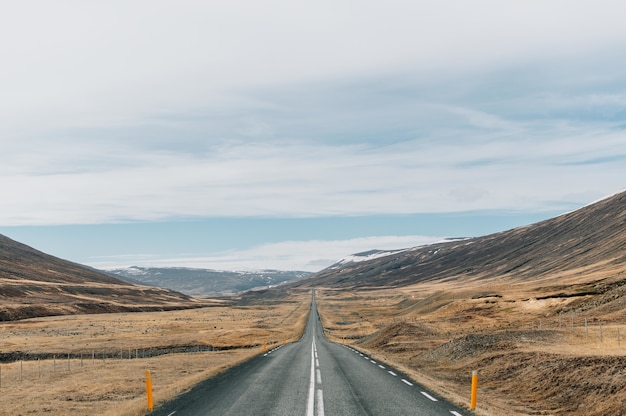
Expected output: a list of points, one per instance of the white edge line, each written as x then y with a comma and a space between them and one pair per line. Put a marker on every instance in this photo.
407, 382
428, 396
455, 413
392, 373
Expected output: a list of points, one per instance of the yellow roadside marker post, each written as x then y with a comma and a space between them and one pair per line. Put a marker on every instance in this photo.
149, 390
474, 389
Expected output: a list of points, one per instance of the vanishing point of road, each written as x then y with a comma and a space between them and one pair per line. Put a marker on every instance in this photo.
311, 377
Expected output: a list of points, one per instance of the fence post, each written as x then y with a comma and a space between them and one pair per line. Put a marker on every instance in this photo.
474, 389
149, 390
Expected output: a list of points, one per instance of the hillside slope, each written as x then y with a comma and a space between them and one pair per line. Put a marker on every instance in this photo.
587, 240
33, 283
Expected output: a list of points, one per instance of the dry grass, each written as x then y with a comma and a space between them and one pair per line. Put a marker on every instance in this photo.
529, 341
116, 386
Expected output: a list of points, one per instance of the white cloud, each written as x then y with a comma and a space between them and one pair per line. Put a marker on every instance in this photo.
73, 64
296, 180
150, 110
288, 255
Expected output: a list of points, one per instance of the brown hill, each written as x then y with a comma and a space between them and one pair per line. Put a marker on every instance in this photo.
587, 240
33, 283
538, 310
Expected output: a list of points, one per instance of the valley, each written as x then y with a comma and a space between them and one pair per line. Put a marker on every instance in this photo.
66, 365
539, 311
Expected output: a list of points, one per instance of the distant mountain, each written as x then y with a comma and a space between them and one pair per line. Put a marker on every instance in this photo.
591, 239
374, 254
33, 284
205, 282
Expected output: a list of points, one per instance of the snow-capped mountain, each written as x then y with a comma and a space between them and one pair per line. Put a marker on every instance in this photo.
375, 254
204, 282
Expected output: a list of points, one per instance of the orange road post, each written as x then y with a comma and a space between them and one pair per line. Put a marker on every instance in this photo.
149, 390
264, 346
474, 389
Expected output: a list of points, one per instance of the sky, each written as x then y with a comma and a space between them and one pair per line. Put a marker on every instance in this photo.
243, 135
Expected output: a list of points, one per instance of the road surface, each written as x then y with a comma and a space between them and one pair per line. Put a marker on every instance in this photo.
311, 377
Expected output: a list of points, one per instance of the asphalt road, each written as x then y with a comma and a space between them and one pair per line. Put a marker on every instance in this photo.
311, 377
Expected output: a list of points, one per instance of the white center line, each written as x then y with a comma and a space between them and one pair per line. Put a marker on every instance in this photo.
310, 408
392, 373
407, 382
428, 396
320, 403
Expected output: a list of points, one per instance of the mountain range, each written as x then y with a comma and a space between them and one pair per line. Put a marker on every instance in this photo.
588, 241
205, 282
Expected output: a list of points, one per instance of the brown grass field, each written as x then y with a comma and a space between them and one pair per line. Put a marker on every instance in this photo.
553, 346
529, 342
109, 354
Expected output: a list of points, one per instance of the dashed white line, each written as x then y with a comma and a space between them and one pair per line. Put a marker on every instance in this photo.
172, 413
319, 377
320, 403
407, 382
373, 362
381, 366
392, 373
455, 413
317, 363
428, 396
